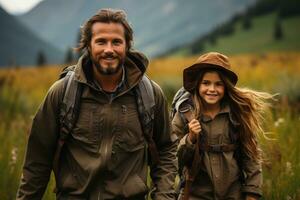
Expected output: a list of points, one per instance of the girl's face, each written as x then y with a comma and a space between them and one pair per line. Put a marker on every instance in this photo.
211, 88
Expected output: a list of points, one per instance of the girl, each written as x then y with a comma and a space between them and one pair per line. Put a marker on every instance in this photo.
217, 126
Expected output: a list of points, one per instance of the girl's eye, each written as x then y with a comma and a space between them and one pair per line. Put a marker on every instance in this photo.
220, 84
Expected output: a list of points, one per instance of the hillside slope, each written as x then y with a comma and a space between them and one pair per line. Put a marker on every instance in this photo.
258, 39
158, 25
20, 46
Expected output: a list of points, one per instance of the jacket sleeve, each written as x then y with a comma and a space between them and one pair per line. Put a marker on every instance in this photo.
41, 147
253, 177
163, 175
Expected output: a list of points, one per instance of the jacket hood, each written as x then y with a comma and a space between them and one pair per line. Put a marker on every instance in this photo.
136, 64
139, 59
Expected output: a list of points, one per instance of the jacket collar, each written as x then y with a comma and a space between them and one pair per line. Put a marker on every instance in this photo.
224, 110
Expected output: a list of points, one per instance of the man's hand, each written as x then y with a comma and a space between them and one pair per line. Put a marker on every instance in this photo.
194, 130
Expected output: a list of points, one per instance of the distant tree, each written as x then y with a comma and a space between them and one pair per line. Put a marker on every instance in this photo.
289, 8
78, 53
236, 17
278, 31
69, 58
78, 38
262, 7
197, 48
213, 39
41, 58
224, 29
247, 23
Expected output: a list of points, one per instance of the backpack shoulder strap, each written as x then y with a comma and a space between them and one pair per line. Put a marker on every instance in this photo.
147, 94
182, 96
180, 102
69, 110
65, 71
146, 103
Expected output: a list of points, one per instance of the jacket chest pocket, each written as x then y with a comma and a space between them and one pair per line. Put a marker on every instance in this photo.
87, 128
218, 132
129, 136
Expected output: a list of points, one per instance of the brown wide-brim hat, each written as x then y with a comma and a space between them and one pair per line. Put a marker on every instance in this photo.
212, 60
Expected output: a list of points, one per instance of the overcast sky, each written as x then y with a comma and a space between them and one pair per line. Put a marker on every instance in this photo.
18, 6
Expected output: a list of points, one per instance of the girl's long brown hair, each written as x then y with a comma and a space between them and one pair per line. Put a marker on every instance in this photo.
247, 106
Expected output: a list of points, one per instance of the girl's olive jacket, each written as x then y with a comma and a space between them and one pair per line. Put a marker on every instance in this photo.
106, 155
221, 175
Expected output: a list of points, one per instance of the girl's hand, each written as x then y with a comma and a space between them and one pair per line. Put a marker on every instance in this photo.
194, 130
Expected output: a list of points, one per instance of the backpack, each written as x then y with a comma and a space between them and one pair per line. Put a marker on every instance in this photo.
70, 107
183, 105
182, 97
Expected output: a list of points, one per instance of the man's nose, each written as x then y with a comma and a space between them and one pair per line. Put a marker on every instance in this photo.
108, 48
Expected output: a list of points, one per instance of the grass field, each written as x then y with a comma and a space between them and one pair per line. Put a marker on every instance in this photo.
22, 89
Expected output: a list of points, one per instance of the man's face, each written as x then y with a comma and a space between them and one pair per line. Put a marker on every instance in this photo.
108, 47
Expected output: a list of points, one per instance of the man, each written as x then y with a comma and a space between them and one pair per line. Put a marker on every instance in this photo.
106, 155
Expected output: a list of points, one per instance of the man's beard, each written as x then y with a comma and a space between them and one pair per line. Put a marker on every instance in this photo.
108, 70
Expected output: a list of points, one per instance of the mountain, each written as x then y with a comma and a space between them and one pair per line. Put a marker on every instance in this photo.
20, 46
158, 25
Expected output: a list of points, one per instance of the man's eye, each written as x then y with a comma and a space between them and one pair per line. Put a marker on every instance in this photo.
100, 42
117, 42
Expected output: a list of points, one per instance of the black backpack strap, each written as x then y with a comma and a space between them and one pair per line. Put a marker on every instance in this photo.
146, 102
69, 112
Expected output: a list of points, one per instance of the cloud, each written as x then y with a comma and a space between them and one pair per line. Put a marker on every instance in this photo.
18, 6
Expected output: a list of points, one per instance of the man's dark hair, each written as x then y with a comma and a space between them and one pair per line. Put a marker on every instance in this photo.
105, 16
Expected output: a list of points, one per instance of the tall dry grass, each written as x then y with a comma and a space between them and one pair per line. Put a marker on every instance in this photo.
22, 90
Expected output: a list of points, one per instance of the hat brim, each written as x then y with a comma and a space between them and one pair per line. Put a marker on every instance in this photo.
191, 74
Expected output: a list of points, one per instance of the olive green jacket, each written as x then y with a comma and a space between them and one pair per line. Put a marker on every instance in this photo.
106, 156
220, 175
